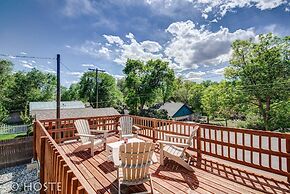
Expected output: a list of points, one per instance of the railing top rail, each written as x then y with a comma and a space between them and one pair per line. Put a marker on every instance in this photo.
76, 172
241, 130
76, 118
250, 131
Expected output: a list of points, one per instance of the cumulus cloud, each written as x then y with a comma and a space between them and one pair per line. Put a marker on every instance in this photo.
104, 51
27, 65
192, 46
23, 53
189, 47
144, 50
194, 75
113, 39
219, 71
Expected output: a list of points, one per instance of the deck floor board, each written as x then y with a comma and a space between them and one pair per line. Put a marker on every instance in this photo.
171, 178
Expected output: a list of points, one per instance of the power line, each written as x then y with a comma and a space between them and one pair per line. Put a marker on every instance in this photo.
66, 67
27, 57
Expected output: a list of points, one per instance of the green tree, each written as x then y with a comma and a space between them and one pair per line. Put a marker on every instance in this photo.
5, 79
223, 100
109, 95
263, 68
31, 86
71, 93
144, 81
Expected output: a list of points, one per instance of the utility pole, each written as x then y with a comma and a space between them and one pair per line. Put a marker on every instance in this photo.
58, 87
97, 84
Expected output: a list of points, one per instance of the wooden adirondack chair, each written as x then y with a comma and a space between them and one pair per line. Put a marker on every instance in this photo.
135, 162
88, 140
177, 151
126, 127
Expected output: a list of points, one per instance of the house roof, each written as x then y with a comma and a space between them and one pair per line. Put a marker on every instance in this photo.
74, 113
171, 107
52, 105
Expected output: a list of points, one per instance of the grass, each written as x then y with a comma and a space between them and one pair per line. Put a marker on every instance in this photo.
11, 136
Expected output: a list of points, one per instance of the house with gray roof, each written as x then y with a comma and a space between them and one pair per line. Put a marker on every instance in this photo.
177, 111
69, 109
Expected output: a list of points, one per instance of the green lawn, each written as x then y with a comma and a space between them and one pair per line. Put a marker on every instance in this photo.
11, 136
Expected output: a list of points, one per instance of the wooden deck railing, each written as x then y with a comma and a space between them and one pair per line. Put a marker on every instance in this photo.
268, 151
57, 172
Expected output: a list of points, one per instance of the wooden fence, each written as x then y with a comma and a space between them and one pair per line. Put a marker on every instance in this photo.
16, 151
12, 129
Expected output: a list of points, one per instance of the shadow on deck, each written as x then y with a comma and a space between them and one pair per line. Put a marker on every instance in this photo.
211, 177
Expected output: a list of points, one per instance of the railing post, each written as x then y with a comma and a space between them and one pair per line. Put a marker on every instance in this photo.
154, 124
288, 159
198, 146
42, 159
34, 141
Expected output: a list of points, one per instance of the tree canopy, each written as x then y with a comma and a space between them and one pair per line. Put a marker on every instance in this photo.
263, 69
143, 81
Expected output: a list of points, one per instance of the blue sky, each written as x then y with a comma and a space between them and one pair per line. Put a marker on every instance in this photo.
194, 36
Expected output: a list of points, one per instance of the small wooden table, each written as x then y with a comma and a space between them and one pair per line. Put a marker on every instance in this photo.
114, 154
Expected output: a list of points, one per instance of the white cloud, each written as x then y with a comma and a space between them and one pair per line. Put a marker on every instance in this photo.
27, 65
33, 62
50, 71
12, 57
188, 47
23, 53
105, 52
219, 71
196, 76
216, 7
88, 65
114, 39
23, 61
48, 62
191, 46
224, 6
79, 7
76, 73
67, 46
151, 46
141, 51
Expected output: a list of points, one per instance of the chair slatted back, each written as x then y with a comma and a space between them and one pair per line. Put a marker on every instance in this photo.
83, 127
193, 133
126, 124
135, 160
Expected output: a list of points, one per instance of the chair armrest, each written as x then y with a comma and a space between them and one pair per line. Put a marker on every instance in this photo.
173, 143
99, 131
176, 136
84, 135
136, 127
119, 128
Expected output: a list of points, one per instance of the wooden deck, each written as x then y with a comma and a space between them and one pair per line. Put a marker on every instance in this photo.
211, 177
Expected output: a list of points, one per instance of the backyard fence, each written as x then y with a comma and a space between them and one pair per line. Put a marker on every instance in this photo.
12, 129
16, 151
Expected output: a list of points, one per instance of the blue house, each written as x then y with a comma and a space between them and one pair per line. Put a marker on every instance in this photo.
177, 111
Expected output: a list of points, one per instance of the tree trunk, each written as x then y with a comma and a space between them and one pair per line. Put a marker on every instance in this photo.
267, 112
263, 113
226, 120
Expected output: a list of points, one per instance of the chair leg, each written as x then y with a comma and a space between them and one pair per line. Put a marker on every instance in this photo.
119, 183
161, 155
151, 184
92, 148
